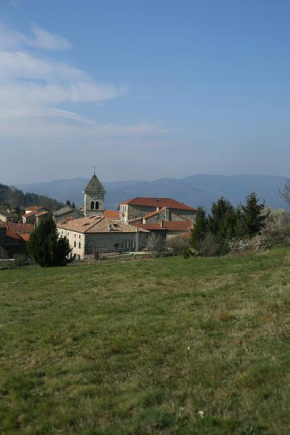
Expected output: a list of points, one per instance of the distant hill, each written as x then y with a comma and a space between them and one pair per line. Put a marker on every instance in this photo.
15, 198
194, 190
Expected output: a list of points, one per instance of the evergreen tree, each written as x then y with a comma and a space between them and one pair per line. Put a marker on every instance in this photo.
46, 248
68, 203
253, 218
200, 227
222, 223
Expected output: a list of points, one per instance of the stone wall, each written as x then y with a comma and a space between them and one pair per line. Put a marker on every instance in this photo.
87, 205
109, 242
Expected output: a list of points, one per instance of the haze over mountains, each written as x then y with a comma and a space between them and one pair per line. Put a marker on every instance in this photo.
194, 190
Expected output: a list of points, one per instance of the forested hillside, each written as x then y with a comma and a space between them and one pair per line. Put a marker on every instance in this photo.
15, 198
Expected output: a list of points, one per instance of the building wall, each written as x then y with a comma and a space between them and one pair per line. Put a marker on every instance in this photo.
76, 241
89, 244
2, 237
74, 214
136, 211
185, 214
88, 199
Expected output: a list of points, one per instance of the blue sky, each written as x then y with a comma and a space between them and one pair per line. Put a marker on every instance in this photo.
143, 89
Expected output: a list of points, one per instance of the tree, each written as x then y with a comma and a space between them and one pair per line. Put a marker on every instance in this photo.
200, 227
155, 243
222, 223
68, 202
285, 193
253, 218
46, 248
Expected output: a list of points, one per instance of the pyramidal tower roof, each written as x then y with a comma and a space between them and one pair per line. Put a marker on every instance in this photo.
94, 186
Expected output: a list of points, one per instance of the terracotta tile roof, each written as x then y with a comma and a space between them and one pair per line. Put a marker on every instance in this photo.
30, 214
96, 224
158, 202
25, 237
177, 225
19, 228
113, 214
42, 213
12, 235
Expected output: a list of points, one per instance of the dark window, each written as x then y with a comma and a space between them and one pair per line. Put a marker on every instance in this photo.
92, 205
97, 205
75, 244
79, 245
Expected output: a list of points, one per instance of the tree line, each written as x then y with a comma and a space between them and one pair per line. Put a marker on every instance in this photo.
213, 231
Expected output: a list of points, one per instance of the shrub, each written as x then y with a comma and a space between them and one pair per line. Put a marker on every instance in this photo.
155, 243
208, 246
177, 245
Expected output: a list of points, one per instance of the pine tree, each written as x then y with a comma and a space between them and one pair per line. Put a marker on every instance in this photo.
68, 202
46, 248
200, 227
222, 223
253, 218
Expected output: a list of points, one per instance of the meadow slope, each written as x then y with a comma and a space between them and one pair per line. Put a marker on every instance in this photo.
166, 346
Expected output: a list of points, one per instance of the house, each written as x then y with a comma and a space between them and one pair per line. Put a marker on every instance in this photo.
167, 229
34, 214
138, 207
17, 236
8, 216
96, 234
67, 212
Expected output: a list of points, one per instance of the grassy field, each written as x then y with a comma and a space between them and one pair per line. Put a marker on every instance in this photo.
166, 346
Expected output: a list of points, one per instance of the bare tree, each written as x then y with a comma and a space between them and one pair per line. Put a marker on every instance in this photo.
285, 193
155, 243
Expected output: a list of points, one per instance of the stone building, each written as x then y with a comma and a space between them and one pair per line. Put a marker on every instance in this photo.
94, 197
67, 212
97, 234
138, 207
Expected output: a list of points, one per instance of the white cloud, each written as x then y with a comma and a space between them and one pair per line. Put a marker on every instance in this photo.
37, 38
32, 88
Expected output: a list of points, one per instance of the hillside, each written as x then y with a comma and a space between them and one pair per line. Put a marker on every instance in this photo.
171, 346
194, 190
17, 199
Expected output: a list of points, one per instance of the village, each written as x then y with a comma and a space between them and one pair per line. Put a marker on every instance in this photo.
93, 230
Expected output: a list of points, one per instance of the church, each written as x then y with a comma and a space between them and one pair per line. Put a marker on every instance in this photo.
93, 230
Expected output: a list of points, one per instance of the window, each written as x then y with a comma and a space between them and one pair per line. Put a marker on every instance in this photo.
97, 205
75, 244
79, 246
92, 205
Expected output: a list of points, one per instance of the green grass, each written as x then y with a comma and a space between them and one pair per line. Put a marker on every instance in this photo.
166, 346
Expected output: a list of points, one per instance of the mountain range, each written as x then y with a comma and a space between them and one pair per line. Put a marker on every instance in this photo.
194, 190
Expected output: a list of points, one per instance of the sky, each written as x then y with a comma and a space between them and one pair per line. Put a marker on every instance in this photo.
143, 89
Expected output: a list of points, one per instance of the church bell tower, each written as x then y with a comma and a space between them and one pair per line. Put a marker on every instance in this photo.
94, 197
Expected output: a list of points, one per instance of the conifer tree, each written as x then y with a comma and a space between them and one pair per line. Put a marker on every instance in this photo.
253, 218
46, 248
200, 227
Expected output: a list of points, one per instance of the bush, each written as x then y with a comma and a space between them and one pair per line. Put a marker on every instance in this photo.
208, 246
155, 243
177, 245
275, 233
